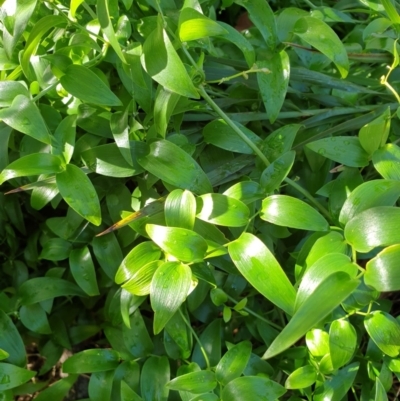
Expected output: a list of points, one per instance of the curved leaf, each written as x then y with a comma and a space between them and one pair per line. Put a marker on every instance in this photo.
195, 382
11, 341
92, 360
342, 342
13, 376
386, 161
302, 377
180, 209
277, 171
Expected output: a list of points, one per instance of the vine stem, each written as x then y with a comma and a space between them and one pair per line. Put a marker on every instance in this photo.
203, 351
259, 153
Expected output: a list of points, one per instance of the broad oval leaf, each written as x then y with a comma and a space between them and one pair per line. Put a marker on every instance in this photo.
194, 382
341, 149
13, 376
154, 376
173, 165
277, 171
326, 297
92, 360
9, 90
342, 342
138, 257
222, 210
260, 268
250, 388
321, 36
85, 85
302, 377
78, 191
169, 289
245, 191
140, 281
233, 363
370, 194
180, 209
183, 244
386, 161
34, 318
287, 211
378, 226
384, 330
383, 270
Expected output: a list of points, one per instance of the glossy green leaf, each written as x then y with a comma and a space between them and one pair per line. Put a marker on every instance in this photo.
24, 116
326, 297
386, 161
180, 209
219, 134
319, 271
195, 382
321, 36
92, 360
3, 354
287, 211
64, 138
34, 318
262, 16
302, 377
286, 20
100, 385
50, 287
58, 390
373, 227
169, 289
277, 171
375, 134
108, 254
153, 379
11, 341
9, 90
233, 363
13, 376
85, 85
260, 268
163, 108
167, 69
317, 342
341, 149
280, 141
78, 191
83, 271
127, 394
384, 330
35, 164
249, 388
174, 166
370, 194
380, 391
245, 191
194, 25
222, 210
342, 342
140, 281
274, 83
185, 245
138, 257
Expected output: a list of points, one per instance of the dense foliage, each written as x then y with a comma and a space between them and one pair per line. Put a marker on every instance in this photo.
193, 212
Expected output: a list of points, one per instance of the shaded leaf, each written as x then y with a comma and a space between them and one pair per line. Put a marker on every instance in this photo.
91, 360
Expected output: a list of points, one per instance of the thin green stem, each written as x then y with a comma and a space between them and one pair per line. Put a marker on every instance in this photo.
44, 91
243, 74
203, 351
89, 10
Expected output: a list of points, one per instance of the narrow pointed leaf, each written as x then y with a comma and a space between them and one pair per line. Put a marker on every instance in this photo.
195, 382
154, 376
302, 377
13, 376
180, 209
92, 360
342, 342
277, 171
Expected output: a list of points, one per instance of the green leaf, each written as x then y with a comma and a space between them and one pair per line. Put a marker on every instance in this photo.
260, 268
302, 377
177, 330
163, 108
167, 69
326, 297
233, 363
262, 16
85, 85
193, 25
50, 287
286, 21
222, 210
382, 270
11, 341
55, 249
83, 271
367, 195
277, 171
100, 385
219, 134
140, 281
9, 90
185, 245
273, 85
169, 289
342, 342
173, 165
34, 318
249, 388
153, 379
378, 226
195, 382
341, 149
108, 253
92, 360
107, 28
287, 211
138, 257
24, 116
386, 161
13, 376
245, 191
380, 391
317, 341
375, 134
64, 138
78, 191
35, 164
180, 209
321, 36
